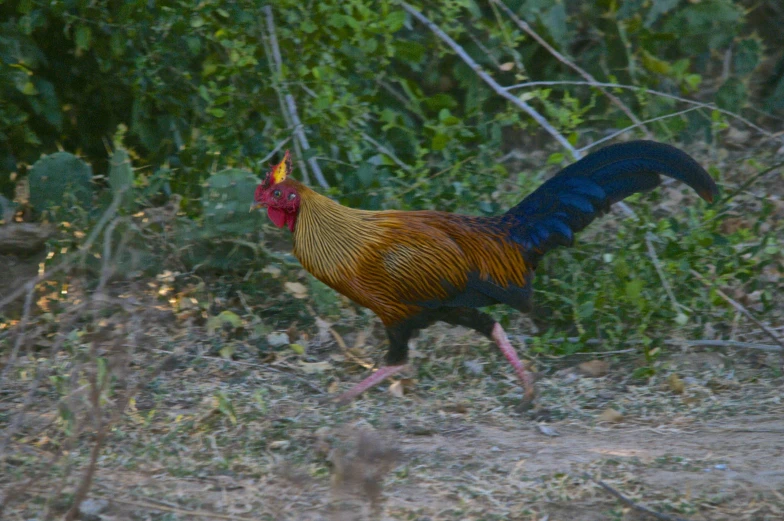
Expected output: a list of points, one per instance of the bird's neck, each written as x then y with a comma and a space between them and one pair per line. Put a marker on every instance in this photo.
329, 237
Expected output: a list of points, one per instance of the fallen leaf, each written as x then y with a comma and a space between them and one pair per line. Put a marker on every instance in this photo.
279, 445
675, 384
474, 367
323, 330
508, 66
547, 430
278, 339
297, 348
459, 408
396, 389
273, 271
399, 387
594, 368
296, 289
315, 367
611, 416
224, 318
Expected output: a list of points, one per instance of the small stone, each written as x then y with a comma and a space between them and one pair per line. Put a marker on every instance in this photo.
611, 416
92, 508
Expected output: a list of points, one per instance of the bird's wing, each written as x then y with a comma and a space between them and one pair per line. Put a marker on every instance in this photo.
448, 260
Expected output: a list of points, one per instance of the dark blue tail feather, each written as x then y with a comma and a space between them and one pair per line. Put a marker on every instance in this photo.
585, 190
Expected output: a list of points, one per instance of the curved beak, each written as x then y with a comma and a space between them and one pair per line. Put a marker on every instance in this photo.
255, 206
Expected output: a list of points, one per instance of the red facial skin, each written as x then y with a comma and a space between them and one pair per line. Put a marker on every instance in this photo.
281, 201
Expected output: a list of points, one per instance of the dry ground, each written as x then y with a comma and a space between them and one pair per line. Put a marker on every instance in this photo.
216, 439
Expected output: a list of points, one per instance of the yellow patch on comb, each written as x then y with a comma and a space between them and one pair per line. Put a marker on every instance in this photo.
282, 170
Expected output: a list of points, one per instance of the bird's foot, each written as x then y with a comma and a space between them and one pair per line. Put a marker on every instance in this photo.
526, 377
371, 381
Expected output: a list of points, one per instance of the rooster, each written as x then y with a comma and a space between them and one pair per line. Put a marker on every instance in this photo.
414, 268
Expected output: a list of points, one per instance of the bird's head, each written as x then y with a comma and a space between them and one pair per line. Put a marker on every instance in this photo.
279, 195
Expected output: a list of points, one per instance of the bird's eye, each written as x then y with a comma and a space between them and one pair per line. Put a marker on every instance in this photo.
292, 196
276, 194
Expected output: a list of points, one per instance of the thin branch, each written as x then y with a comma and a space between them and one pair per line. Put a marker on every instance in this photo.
522, 24
737, 305
20, 335
271, 48
710, 106
660, 270
630, 503
384, 150
181, 511
730, 343
248, 364
750, 181
65, 326
291, 105
632, 127
689, 343
274, 151
501, 91
66, 264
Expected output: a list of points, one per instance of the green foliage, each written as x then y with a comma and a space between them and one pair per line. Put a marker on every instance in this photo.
226, 203
394, 118
59, 179
197, 81
121, 177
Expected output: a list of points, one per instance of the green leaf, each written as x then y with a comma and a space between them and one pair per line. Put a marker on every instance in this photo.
439, 142
747, 56
223, 318
556, 158
732, 95
658, 8
634, 291
28, 89
226, 407
227, 351
366, 173
654, 64
395, 20
83, 35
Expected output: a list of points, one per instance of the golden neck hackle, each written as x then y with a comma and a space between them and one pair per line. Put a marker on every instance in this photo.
329, 239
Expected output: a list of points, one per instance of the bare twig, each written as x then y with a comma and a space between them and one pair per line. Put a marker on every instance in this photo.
660, 270
522, 24
274, 151
248, 364
69, 261
711, 106
20, 334
630, 503
632, 127
183, 512
104, 426
689, 343
291, 105
750, 181
384, 150
501, 91
738, 306
65, 325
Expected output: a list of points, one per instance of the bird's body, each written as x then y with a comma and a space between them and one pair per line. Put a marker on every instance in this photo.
398, 263
412, 268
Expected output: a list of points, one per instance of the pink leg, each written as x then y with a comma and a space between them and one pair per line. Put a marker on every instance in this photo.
506, 348
371, 381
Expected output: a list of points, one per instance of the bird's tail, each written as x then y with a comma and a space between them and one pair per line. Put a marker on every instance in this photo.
583, 191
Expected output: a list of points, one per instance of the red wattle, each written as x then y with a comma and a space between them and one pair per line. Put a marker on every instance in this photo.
277, 216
